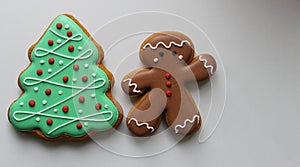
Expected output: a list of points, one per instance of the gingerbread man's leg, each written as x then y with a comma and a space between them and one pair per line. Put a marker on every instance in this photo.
145, 117
183, 116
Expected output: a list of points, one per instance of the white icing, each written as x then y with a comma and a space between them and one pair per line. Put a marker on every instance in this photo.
106, 106
155, 60
93, 95
80, 111
44, 102
180, 57
141, 124
41, 52
86, 124
42, 61
21, 104
60, 62
185, 121
72, 119
37, 119
167, 46
86, 65
67, 26
94, 75
49, 70
79, 48
132, 84
207, 66
35, 89
74, 79
30, 81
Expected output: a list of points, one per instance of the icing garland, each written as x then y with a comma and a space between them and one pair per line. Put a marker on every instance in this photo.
185, 121
89, 54
141, 124
167, 46
207, 66
135, 90
31, 114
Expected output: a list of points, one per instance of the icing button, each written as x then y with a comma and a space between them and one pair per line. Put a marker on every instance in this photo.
58, 25
168, 83
39, 72
51, 60
98, 106
49, 121
76, 67
168, 75
81, 99
65, 109
31, 103
168, 93
79, 126
50, 42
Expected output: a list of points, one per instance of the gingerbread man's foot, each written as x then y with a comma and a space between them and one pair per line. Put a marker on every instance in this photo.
145, 117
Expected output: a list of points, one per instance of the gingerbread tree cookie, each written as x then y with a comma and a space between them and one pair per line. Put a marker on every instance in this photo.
170, 64
66, 89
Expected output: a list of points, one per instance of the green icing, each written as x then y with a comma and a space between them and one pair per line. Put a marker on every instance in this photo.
25, 118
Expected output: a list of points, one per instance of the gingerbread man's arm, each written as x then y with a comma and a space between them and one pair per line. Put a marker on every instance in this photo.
202, 66
136, 82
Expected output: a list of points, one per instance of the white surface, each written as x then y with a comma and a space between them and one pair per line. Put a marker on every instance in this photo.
258, 42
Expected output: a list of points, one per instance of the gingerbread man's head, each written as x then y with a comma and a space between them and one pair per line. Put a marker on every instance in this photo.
166, 49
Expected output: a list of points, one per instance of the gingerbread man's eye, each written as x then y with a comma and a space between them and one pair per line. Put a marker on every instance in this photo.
161, 54
174, 53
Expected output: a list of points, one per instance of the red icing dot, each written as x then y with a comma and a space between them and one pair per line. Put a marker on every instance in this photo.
81, 99
49, 121
79, 125
168, 93
69, 33
98, 106
31, 103
76, 67
65, 78
168, 75
168, 84
84, 78
50, 42
48, 91
39, 72
71, 48
65, 109
58, 25
51, 60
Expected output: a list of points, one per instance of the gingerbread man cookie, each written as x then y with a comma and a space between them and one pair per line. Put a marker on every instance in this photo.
170, 64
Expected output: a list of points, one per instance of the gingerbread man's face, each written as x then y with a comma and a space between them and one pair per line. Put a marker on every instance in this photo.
166, 50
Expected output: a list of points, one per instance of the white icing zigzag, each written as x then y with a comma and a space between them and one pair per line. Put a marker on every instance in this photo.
166, 46
31, 81
207, 66
132, 84
141, 124
184, 123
